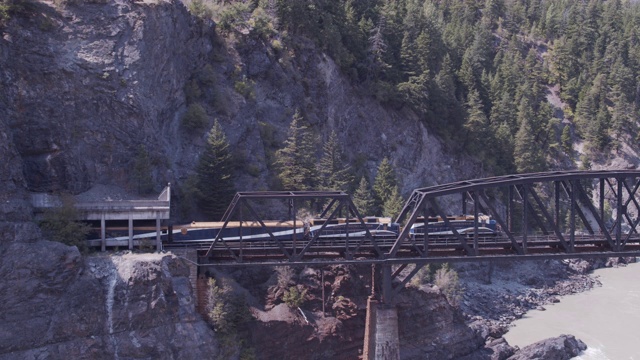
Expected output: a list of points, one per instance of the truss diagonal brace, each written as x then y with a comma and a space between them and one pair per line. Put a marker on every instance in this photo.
460, 238
578, 210
504, 226
585, 199
549, 218
407, 228
280, 245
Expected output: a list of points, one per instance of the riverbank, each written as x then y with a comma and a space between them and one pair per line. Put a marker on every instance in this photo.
606, 318
498, 294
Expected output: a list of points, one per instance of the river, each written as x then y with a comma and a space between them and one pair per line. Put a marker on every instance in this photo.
606, 318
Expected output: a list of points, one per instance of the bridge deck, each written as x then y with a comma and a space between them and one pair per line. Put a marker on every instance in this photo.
437, 249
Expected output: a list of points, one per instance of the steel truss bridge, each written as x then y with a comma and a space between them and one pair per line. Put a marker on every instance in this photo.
564, 214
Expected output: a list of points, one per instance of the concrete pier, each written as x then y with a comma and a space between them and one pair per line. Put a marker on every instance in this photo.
381, 340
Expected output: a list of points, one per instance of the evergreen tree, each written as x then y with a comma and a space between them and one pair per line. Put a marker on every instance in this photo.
334, 173
296, 161
526, 151
565, 140
393, 204
363, 199
142, 171
384, 183
477, 126
214, 182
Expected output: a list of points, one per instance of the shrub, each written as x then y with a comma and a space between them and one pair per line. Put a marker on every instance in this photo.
245, 87
285, 275
60, 224
226, 311
276, 45
192, 91
201, 10
294, 298
195, 118
447, 280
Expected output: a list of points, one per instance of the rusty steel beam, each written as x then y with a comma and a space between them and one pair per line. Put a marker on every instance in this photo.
547, 217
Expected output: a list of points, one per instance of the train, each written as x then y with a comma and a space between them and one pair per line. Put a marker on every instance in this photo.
463, 224
320, 228
203, 233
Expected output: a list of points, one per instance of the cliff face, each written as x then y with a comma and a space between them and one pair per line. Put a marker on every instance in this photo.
84, 85
57, 305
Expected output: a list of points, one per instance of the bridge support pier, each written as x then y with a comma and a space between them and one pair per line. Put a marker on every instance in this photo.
381, 340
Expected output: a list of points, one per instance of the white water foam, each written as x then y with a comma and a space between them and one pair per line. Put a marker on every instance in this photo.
109, 304
592, 354
109, 301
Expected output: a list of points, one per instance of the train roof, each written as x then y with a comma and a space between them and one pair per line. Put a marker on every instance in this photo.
220, 224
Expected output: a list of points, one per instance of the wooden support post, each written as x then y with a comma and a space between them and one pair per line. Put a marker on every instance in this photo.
130, 231
158, 240
103, 233
525, 218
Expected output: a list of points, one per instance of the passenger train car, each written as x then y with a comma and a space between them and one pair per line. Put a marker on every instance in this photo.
202, 233
235, 230
377, 226
463, 224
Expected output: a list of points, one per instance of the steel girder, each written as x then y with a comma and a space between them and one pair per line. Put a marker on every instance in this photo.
337, 201
545, 214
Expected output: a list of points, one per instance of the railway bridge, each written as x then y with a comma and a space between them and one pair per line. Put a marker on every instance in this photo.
562, 214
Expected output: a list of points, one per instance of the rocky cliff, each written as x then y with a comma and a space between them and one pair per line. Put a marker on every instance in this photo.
84, 84
60, 305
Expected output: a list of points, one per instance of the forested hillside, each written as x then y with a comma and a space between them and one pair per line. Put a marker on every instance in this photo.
493, 78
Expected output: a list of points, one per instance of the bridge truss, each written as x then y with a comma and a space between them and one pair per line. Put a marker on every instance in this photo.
539, 215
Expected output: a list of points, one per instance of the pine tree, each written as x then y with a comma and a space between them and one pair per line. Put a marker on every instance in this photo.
384, 183
363, 199
296, 161
526, 151
565, 140
334, 173
142, 171
477, 126
214, 182
394, 203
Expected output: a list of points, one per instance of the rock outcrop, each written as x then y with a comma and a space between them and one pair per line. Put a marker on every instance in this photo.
563, 347
59, 305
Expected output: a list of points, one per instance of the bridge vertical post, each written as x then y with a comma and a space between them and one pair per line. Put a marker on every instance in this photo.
295, 238
525, 218
572, 220
130, 231
601, 205
619, 216
387, 289
476, 251
103, 235
510, 208
556, 186
425, 239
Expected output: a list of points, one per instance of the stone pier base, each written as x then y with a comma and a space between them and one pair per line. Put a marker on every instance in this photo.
381, 341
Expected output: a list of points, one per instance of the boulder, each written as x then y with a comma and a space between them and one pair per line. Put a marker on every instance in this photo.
563, 347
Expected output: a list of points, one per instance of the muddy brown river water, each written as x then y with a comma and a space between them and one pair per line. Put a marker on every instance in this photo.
606, 318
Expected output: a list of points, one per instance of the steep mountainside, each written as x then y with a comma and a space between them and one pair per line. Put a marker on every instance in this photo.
83, 86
